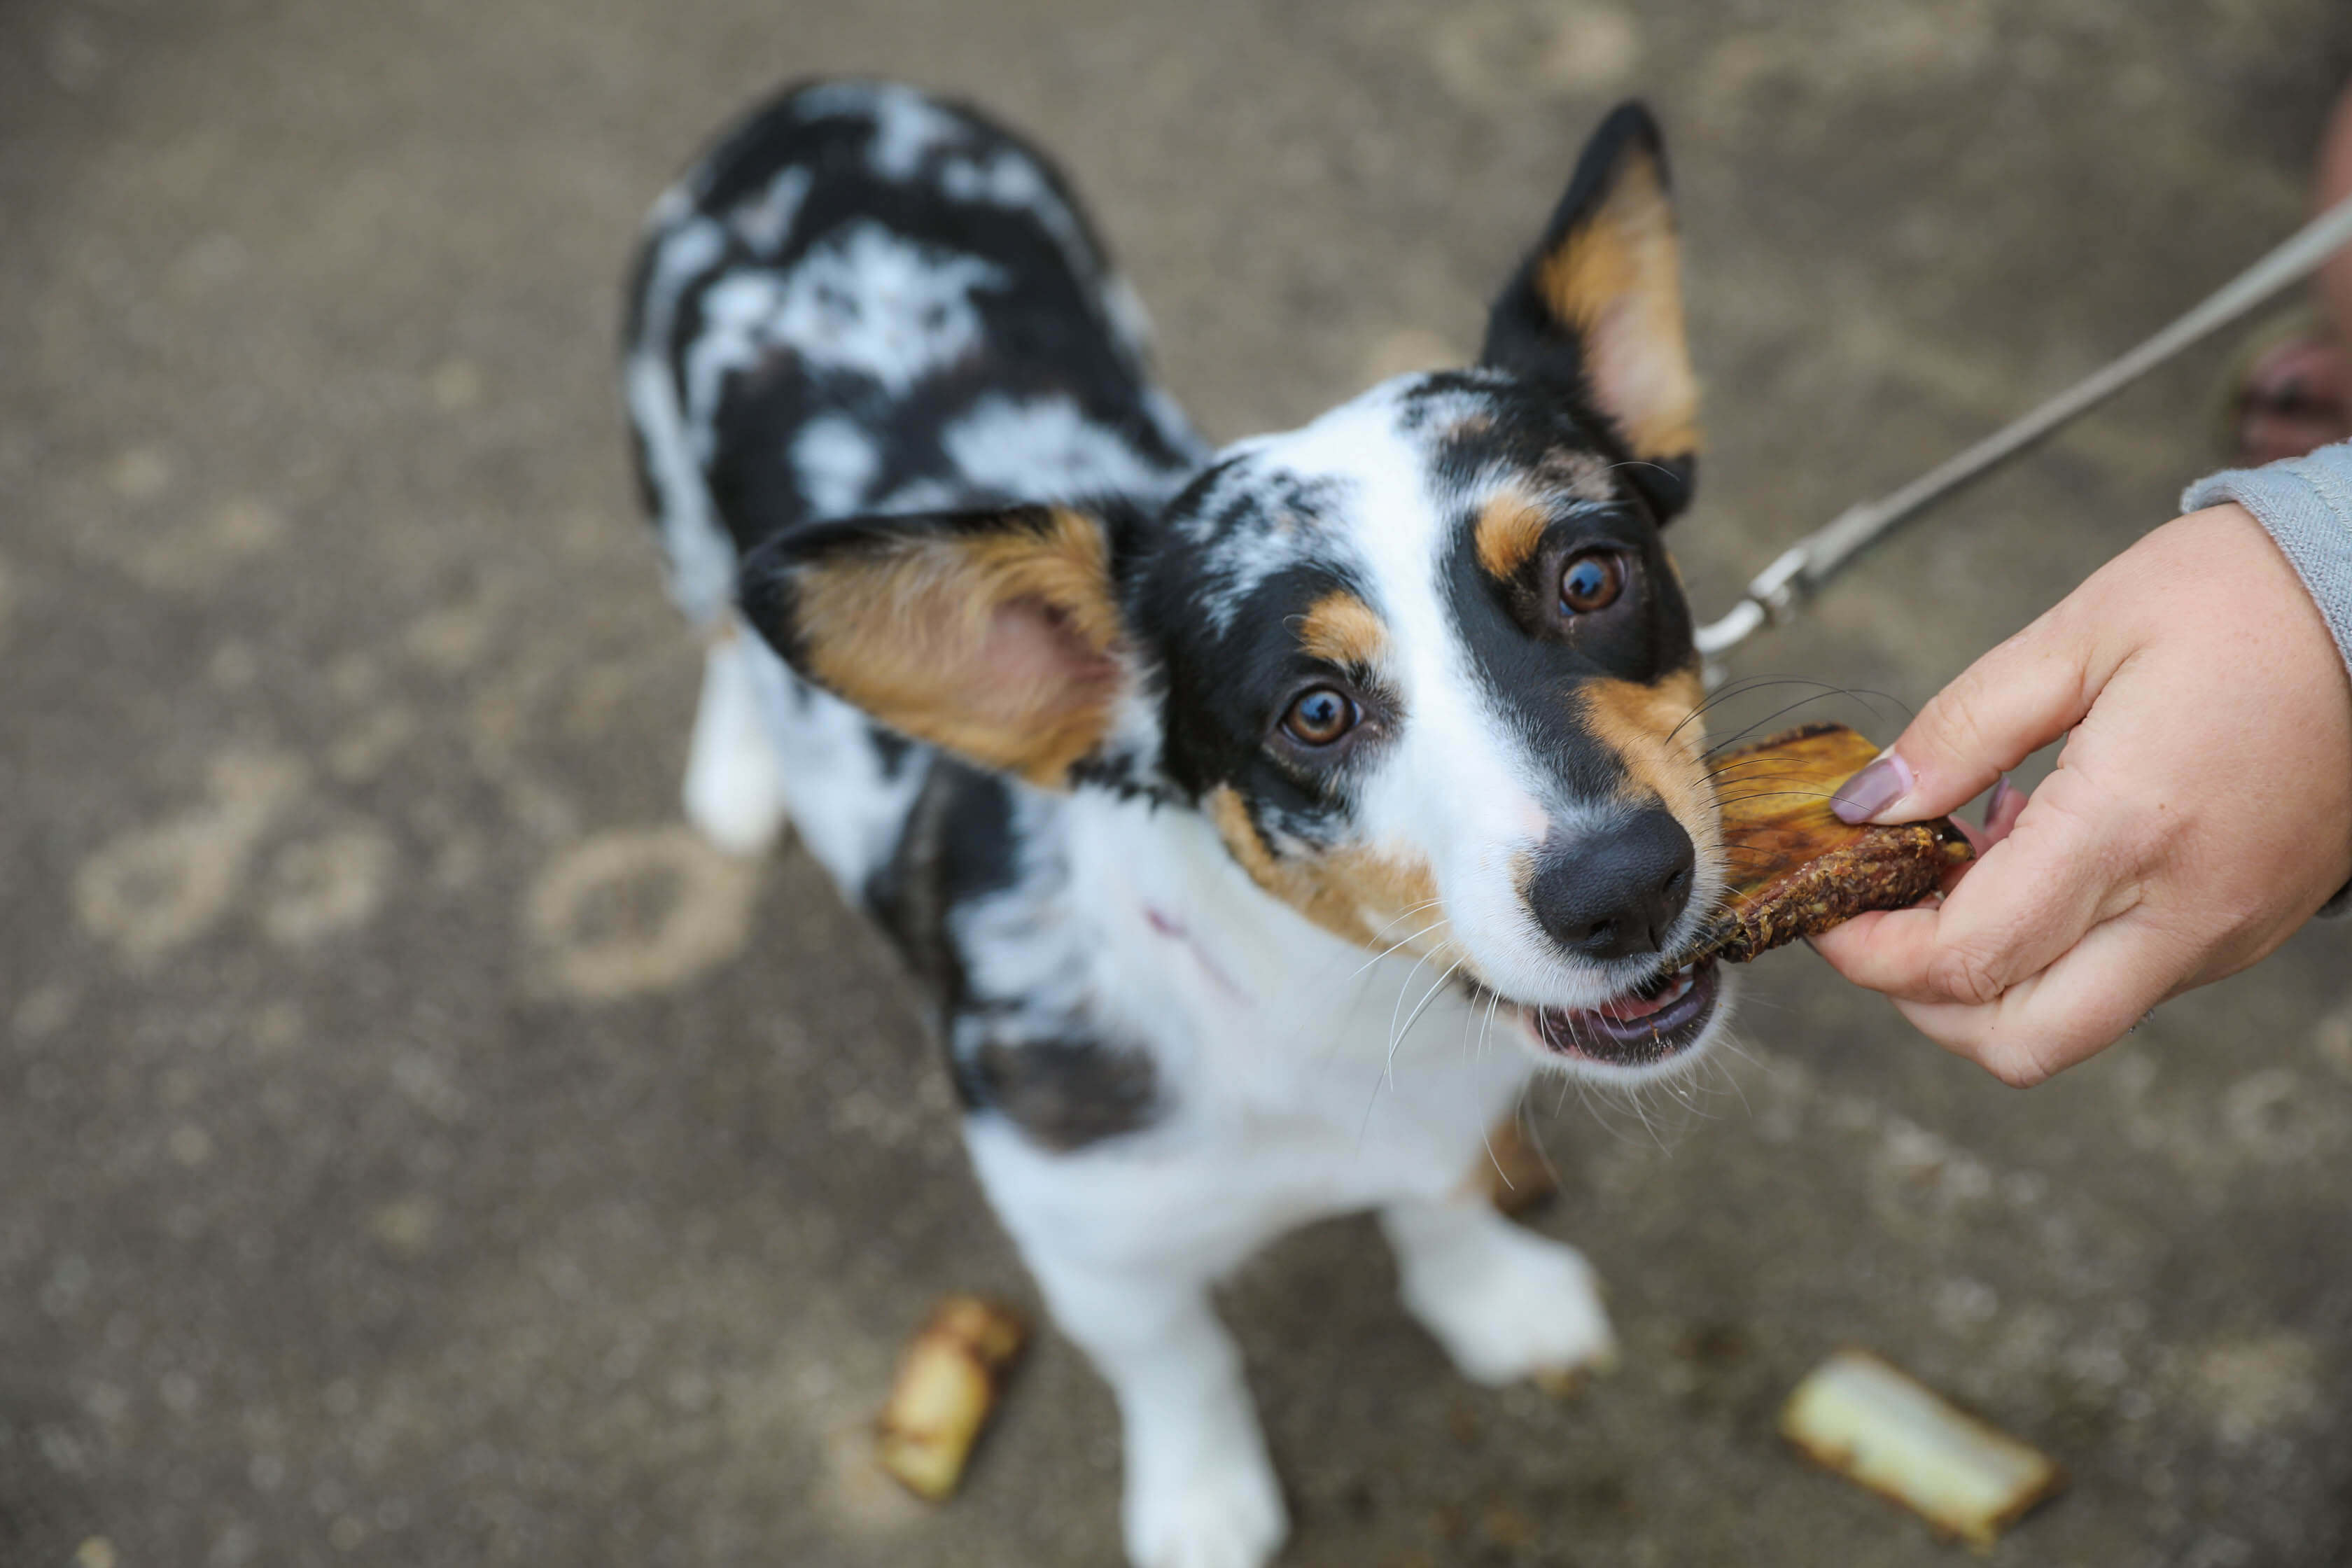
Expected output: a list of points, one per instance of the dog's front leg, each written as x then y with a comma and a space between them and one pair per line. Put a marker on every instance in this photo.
734, 780
1505, 1302
1201, 1492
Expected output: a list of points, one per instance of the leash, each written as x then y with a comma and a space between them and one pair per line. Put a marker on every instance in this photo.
1807, 566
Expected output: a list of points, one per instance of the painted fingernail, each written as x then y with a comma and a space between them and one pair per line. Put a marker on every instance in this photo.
2005, 797
1873, 790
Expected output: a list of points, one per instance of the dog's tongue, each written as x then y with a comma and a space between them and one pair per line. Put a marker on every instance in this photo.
1634, 1004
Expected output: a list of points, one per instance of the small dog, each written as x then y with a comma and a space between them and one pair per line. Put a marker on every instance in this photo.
1219, 799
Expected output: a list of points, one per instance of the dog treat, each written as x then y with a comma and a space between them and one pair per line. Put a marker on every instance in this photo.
1872, 1423
948, 1380
1795, 869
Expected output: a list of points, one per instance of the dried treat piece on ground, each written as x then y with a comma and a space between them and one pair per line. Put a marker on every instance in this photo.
1872, 1423
949, 1381
1795, 869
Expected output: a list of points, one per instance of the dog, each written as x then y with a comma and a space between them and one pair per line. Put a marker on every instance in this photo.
1258, 822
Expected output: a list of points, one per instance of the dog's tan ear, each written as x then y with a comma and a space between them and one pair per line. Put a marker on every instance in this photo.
995, 634
1597, 306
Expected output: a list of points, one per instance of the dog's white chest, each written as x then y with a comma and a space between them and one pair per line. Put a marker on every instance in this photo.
1315, 1069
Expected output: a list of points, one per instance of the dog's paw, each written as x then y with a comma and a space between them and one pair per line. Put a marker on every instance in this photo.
734, 783
741, 812
1516, 1305
1222, 1509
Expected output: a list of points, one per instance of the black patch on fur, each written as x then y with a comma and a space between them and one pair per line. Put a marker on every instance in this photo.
1531, 674
1224, 692
1064, 1094
1063, 1089
958, 845
893, 748
1043, 330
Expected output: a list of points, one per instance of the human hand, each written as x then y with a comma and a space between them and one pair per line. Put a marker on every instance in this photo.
2201, 809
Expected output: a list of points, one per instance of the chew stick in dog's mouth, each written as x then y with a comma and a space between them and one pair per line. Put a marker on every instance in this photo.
1794, 870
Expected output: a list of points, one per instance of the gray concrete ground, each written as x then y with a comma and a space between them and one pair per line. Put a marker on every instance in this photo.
415, 1150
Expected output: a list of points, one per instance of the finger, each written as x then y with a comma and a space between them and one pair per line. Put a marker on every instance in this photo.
1862, 949
1888, 952
2077, 1007
2072, 860
2028, 899
2020, 697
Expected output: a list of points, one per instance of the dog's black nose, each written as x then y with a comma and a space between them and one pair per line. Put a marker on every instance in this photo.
1614, 893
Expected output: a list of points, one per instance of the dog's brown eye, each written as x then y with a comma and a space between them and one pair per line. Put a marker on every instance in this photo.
1319, 717
1590, 583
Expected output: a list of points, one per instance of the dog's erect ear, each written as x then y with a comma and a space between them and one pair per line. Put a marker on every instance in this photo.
995, 634
1597, 306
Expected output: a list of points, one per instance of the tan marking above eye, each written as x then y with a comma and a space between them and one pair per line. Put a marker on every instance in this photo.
1340, 628
1355, 893
1576, 475
1656, 731
1510, 531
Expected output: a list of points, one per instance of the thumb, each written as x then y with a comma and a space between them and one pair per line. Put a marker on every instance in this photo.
2014, 700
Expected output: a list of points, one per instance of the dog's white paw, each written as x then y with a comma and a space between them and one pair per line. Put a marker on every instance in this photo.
734, 781
1220, 1508
740, 814
1516, 1305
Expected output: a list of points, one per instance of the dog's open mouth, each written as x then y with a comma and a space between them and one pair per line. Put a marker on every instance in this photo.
1645, 1026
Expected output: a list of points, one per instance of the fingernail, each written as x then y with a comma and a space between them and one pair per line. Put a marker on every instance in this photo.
2004, 797
1873, 790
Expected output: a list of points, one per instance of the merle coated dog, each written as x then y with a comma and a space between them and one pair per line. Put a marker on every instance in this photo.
1258, 820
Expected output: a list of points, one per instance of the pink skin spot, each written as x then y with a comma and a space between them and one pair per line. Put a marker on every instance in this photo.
1174, 930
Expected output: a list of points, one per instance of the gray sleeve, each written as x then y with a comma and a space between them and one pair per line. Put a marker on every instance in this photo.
2306, 504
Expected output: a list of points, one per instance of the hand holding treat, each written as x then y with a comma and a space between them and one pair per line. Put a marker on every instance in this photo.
2201, 809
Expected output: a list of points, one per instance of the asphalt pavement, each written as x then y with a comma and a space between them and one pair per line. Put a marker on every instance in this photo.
416, 1149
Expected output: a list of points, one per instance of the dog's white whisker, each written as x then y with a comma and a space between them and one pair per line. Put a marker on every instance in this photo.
1427, 996
1394, 946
